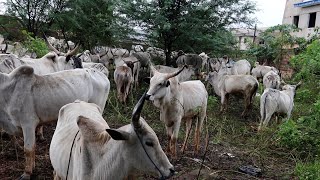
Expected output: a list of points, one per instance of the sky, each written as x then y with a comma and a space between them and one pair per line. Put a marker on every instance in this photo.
270, 12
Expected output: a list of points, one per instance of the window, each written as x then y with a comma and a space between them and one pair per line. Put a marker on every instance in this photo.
312, 20
296, 21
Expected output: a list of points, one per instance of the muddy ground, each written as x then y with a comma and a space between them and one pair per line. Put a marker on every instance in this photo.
233, 143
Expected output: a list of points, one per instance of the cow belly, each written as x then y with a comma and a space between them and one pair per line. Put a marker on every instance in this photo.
47, 107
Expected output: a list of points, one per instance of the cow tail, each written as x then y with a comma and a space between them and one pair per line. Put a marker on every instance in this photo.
263, 105
124, 84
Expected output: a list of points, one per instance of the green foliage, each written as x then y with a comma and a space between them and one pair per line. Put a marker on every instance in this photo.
308, 171
36, 44
276, 40
192, 26
307, 63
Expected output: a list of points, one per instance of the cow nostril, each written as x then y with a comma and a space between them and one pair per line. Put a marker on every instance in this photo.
148, 97
172, 171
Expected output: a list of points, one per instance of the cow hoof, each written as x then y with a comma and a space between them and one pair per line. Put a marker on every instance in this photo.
24, 176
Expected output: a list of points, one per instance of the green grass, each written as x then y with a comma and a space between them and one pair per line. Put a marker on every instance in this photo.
228, 133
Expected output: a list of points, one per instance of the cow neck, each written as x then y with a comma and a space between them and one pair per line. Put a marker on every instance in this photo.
290, 93
216, 83
112, 164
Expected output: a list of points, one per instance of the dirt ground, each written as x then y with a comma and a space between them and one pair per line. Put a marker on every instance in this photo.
233, 143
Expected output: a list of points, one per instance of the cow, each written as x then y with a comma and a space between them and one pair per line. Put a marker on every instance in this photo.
185, 75
178, 101
224, 85
97, 66
86, 56
240, 67
99, 152
157, 55
276, 101
143, 57
133, 63
259, 71
204, 58
28, 100
190, 59
123, 78
271, 80
109, 55
49, 63
137, 48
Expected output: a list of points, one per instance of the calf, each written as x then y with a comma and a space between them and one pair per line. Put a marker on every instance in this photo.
271, 80
276, 101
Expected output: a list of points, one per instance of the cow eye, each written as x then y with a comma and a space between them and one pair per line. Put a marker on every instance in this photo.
149, 143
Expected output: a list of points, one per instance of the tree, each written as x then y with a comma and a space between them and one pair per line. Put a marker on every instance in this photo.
190, 25
277, 40
31, 14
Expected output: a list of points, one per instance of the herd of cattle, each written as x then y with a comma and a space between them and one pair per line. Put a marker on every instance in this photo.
73, 89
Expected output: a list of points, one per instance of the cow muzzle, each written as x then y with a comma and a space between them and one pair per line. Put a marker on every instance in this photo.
148, 97
172, 172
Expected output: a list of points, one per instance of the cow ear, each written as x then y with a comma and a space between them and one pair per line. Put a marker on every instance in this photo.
167, 83
146, 80
91, 130
118, 134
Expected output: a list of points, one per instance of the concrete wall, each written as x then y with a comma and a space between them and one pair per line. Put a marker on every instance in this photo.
303, 13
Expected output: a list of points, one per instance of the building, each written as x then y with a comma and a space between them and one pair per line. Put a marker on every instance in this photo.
246, 36
305, 14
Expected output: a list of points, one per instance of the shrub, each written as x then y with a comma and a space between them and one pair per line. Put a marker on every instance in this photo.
308, 171
302, 135
36, 45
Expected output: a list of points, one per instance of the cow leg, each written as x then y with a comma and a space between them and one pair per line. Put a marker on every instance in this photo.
267, 119
222, 102
247, 106
174, 138
29, 138
188, 129
198, 128
169, 135
39, 131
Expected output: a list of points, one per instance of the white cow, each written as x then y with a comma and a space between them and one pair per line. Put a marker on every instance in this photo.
271, 80
109, 55
224, 85
178, 101
99, 152
276, 101
28, 100
259, 71
49, 63
185, 75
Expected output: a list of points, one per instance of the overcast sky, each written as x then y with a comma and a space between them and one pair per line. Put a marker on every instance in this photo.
270, 11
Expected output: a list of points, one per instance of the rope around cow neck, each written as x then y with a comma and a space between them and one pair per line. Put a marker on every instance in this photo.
162, 176
70, 153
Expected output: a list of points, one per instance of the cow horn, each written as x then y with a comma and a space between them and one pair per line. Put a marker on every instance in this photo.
175, 73
137, 111
299, 84
74, 51
51, 47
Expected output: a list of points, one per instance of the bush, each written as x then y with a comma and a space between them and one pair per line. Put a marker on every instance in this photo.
303, 135
308, 171
307, 64
35, 45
